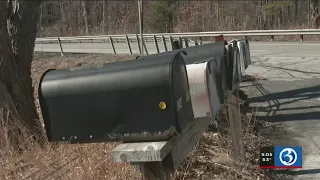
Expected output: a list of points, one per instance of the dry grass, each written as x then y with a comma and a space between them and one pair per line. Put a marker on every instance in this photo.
210, 159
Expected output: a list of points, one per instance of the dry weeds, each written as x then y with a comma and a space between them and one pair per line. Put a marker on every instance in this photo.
210, 159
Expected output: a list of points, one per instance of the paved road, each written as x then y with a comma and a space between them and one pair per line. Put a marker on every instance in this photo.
290, 95
275, 60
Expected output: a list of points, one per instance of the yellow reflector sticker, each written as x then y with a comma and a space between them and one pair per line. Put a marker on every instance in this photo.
162, 105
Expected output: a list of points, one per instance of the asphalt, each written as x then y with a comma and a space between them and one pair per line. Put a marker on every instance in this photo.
290, 96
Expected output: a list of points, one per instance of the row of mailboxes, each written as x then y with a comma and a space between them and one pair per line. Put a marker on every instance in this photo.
150, 98
219, 59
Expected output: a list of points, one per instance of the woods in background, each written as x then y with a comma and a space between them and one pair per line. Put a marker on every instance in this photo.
74, 17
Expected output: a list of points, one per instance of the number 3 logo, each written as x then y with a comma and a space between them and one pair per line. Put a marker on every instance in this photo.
288, 156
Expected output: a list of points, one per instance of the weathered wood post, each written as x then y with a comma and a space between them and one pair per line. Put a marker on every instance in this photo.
234, 121
154, 171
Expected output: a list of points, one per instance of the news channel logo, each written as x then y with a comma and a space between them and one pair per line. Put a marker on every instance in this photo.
288, 157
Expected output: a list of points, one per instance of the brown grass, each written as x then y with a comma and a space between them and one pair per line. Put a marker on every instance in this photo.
210, 159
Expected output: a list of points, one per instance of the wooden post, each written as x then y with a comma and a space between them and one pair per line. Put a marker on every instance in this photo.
154, 171
234, 120
157, 159
62, 54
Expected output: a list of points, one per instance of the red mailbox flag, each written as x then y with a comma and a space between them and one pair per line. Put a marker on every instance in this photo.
219, 38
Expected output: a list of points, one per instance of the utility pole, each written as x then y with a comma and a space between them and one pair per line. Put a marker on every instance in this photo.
140, 9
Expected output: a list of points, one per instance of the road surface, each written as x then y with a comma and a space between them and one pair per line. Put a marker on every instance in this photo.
290, 95
275, 60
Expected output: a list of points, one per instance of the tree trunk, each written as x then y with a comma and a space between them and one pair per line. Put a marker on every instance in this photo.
103, 17
314, 12
83, 3
18, 22
63, 30
295, 14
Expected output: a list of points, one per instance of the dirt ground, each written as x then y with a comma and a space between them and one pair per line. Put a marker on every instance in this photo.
211, 159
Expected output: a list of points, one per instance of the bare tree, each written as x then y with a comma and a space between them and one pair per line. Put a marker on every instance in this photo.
18, 22
85, 16
103, 16
314, 7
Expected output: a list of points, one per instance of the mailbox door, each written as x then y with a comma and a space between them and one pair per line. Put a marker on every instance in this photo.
181, 93
213, 90
241, 57
197, 76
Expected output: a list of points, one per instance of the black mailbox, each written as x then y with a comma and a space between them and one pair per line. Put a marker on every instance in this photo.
215, 52
234, 66
121, 101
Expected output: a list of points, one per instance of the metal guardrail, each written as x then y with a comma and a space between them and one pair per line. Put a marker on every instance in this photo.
149, 37
183, 38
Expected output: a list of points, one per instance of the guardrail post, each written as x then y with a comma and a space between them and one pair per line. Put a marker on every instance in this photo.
144, 45
196, 42
175, 45
156, 43
164, 43
128, 42
186, 42
111, 41
272, 37
62, 54
171, 41
138, 42
200, 39
301, 38
180, 42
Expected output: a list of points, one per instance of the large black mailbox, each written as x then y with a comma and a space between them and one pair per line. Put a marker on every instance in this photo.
219, 59
121, 101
